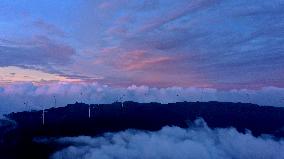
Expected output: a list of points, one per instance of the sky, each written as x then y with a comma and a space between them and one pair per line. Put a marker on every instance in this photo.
157, 44
202, 43
57, 52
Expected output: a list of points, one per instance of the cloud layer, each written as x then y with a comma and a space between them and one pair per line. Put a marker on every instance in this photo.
200, 43
196, 142
38, 52
37, 96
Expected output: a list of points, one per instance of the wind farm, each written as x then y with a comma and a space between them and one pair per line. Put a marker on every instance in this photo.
142, 79
93, 120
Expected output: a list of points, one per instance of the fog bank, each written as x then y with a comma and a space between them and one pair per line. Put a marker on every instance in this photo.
196, 142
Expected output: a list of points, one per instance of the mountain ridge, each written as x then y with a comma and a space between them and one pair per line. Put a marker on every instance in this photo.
75, 120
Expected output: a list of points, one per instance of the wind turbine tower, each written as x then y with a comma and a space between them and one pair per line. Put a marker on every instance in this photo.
43, 116
121, 98
89, 111
89, 103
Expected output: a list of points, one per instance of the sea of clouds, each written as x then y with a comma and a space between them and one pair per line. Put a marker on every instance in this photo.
37, 96
196, 142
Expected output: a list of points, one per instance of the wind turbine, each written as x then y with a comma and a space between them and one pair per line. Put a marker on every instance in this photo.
248, 97
43, 116
42, 113
121, 98
282, 100
201, 98
54, 101
89, 111
26, 104
88, 96
89, 101
81, 97
145, 94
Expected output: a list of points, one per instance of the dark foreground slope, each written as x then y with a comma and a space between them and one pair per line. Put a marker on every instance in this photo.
73, 120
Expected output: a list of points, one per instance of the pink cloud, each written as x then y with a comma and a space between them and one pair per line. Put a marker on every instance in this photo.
105, 5
140, 60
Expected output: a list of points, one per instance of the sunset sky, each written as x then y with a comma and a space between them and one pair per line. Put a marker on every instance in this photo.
197, 43
87, 67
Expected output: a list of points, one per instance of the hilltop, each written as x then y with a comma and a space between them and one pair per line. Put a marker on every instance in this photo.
76, 119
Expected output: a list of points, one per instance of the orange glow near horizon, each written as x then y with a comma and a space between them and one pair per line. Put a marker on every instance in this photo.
12, 74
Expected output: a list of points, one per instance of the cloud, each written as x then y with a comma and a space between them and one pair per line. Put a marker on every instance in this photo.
13, 96
196, 142
238, 47
29, 75
141, 60
184, 9
221, 44
39, 52
49, 28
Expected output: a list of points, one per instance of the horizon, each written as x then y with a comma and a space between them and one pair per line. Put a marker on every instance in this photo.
153, 45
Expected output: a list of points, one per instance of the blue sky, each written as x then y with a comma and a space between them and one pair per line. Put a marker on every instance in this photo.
203, 43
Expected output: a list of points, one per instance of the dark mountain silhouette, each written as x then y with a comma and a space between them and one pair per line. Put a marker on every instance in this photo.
73, 120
